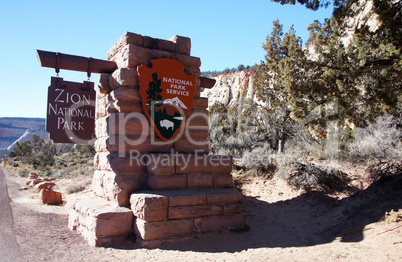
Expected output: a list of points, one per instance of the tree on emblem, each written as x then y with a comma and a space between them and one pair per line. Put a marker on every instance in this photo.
154, 90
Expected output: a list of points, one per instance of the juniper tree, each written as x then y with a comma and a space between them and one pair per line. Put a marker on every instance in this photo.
354, 78
275, 76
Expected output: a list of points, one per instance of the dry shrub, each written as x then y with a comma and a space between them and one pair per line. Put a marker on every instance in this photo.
384, 169
311, 177
23, 172
379, 140
260, 160
392, 216
78, 184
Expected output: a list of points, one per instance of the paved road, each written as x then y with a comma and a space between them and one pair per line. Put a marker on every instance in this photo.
9, 249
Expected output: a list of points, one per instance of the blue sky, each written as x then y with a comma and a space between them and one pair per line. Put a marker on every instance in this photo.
223, 34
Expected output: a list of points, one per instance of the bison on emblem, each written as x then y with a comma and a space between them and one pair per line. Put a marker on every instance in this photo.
167, 124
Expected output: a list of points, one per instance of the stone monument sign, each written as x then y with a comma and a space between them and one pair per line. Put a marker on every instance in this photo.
154, 176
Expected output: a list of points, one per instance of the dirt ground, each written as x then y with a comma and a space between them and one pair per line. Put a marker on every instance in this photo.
285, 225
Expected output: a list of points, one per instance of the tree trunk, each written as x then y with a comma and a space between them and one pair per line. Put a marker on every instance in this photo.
281, 140
281, 144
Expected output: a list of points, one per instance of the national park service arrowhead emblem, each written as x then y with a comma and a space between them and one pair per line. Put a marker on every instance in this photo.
167, 95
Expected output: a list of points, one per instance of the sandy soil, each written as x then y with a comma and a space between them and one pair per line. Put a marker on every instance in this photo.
285, 225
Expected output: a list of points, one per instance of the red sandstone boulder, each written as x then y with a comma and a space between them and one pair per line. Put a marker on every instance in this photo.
33, 175
44, 185
33, 179
50, 197
33, 182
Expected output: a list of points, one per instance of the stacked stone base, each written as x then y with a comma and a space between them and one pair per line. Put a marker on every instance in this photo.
156, 217
163, 216
101, 223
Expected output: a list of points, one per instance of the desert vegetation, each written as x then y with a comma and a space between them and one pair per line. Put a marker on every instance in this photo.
54, 161
336, 100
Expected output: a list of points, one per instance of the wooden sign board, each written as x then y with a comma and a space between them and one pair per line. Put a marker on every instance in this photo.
70, 111
167, 95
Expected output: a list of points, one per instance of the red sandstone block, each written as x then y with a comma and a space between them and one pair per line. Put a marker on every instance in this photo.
101, 107
223, 180
125, 93
131, 56
193, 70
161, 164
115, 241
97, 219
224, 196
230, 209
133, 123
186, 198
50, 197
192, 145
167, 182
198, 134
161, 54
217, 223
124, 77
203, 164
109, 241
182, 212
198, 117
162, 229
103, 84
150, 243
189, 61
116, 187
134, 146
127, 38
200, 181
100, 95
155, 43
125, 106
149, 206
44, 185
201, 102
101, 127
196, 126
112, 108
33, 182
197, 91
33, 175
183, 44
124, 164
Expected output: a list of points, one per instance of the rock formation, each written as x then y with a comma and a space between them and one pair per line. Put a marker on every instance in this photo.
231, 88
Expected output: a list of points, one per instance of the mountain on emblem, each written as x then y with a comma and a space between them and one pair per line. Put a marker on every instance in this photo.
175, 102
167, 95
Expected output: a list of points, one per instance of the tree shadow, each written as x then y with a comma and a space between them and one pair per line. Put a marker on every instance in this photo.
307, 220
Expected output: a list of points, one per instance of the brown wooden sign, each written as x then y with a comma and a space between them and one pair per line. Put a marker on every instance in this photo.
167, 95
70, 111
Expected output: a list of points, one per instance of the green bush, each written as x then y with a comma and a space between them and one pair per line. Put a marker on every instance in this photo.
36, 152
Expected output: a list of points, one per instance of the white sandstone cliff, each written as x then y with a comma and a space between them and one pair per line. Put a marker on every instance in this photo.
231, 88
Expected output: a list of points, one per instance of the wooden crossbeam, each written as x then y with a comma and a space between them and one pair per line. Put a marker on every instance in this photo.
89, 64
